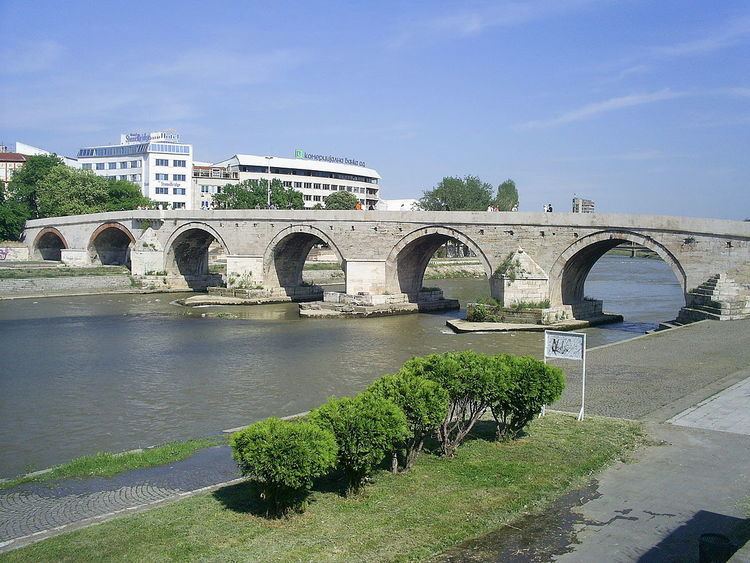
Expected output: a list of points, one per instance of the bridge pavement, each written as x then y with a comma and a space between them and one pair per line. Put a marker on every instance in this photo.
689, 363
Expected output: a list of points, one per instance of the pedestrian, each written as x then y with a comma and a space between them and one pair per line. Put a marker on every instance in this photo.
358, 206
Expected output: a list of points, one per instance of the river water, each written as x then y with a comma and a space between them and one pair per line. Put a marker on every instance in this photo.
115, 372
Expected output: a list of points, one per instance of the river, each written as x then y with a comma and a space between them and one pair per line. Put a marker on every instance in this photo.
116, 372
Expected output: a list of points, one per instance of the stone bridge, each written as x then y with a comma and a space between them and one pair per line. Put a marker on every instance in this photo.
526, 256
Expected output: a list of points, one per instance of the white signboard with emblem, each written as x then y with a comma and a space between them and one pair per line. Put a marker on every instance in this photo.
567, 346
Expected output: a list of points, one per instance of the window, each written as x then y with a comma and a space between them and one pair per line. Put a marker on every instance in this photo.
316, 198
124, 164
124, 177
135, 177
297, 184
162, 176
162, 162
180, 163
334, 187
178, 191
308, 185
100, 166
111, 165
204, 189
287, 184
326, 186
162, 190
135, 163
308, 198
178, 177
178, 205
111, 177
316, 186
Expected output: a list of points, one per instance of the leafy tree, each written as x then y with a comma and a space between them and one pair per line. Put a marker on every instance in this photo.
458, 194
123, 195
341, 200
507, 196
469, 379
366, 428
424, 402
283, 458
24, 185
530, 385
66, 191
13, 216
253, 194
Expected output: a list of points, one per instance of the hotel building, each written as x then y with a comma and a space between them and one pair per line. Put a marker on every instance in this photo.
315, 176
157, 162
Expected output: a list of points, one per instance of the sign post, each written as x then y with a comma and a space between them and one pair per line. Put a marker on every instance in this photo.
568, 346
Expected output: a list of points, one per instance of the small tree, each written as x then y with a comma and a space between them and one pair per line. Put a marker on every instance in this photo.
282, 458
424, 402
507, 196
341, 200
366, 428
469, 379
24, 185
457, 194
530, 385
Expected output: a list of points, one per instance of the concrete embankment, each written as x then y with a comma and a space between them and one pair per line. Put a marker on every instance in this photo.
33, 287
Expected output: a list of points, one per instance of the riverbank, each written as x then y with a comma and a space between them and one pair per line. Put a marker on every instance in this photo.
413, 515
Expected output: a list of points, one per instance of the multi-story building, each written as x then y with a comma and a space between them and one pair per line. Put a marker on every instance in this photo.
581, 205
157, 162
209, 180
9, 163
29, 150
315, 176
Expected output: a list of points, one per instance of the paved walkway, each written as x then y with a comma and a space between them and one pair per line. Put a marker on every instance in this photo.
654, 378
728, 411
36, 510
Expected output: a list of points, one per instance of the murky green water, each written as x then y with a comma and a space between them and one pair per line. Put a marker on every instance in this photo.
83, 374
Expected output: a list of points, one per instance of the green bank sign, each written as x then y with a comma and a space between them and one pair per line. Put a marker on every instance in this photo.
299, 153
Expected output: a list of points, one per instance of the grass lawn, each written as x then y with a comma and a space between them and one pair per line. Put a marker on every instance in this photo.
60, 272
413, 516
105, 464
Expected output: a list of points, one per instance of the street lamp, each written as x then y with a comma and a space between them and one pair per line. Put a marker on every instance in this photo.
268, 200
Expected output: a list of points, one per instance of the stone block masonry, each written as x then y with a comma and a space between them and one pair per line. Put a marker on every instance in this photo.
63, 286
526, 256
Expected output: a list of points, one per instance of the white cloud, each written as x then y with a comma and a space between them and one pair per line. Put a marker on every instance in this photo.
474, 21
27, 58
730, 34
613, 104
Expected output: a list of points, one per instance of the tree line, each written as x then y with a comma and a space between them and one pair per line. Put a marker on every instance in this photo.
45, 187
470, 193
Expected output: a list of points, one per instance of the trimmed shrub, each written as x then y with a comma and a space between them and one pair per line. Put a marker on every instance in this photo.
531, 384
366, 427
424, 402
470, 380
283, 458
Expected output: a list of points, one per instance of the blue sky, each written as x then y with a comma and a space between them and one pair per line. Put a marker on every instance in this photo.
643, 106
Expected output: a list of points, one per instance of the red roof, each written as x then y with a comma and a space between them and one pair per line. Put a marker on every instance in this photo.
12, 157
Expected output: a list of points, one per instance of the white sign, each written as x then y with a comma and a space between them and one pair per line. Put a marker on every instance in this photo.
565, 345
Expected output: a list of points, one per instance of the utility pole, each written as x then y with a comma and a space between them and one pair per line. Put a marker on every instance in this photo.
268, 199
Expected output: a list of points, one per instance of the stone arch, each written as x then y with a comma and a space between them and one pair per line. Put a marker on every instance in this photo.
187, 252
110, 244
49, 244
285, 255
572, 267
407, 261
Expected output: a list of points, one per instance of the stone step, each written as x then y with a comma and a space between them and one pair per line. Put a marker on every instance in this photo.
690, 314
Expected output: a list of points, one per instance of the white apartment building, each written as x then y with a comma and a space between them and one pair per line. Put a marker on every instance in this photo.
157, 162
315, 176
209, 180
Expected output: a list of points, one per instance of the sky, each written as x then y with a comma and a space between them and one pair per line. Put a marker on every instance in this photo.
642, 106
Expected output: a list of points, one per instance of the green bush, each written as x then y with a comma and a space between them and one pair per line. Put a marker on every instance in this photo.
366, 428
470, 380
531, 384
283, 458
424, 402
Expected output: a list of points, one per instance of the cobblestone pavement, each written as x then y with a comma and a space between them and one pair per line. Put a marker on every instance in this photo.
660, 375
34, 508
